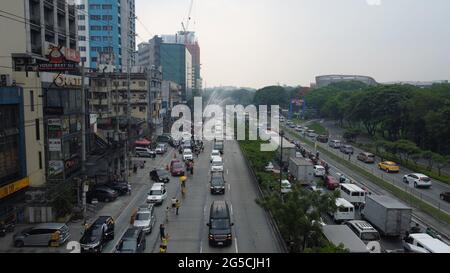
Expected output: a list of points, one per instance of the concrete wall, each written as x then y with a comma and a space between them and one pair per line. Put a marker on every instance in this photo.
15, 42
33, 146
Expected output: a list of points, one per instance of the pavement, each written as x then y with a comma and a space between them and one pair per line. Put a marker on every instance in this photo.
187, 231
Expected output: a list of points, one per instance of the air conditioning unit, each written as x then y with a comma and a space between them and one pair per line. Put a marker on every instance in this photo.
5, 80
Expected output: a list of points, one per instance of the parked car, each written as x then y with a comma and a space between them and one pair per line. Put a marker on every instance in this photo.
322, 138
176, 167
346, 149
145, 219
121, 188
144, 152
47, 234
331, 183
366, 157
161, 148
217, 164
214, 153
319, 170
217, 183
157, 194
102, 194
187, 154
445, 196
97, 235
389, 166
160, 175
220, 224
418, 180
336, 144
132, 241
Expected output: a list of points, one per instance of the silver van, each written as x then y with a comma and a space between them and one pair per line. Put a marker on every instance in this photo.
144, 152
336, 144
48, 234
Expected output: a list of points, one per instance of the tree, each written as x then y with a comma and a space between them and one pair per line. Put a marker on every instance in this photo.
298, 215
428, 155
405, 149
441, 162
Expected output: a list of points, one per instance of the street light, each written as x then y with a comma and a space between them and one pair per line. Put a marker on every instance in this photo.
281, 158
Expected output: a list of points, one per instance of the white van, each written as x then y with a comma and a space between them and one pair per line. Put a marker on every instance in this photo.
424, 243
336, 144
157, 194
319, 170
285, 186
353, 193
345, 211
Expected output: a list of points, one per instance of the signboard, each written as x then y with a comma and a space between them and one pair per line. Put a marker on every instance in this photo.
55, 167
54, 111
71, 165
54, 124
54, 145
67, 80
60, 59
14, 187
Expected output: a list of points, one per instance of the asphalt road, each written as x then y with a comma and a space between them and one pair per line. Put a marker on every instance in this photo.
188, 232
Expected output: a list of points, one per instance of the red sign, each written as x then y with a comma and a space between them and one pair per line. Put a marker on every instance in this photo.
72, 55
60, 59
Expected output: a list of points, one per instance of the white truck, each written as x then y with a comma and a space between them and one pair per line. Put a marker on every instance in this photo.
389, 216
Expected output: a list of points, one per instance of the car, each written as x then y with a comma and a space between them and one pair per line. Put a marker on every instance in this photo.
445, 196
145, 219
187, 154
269, 167
217, 183
122, 188
418, 180
160, 175
319, 170
218, 145
214, 153
219, 233
47, 234
366, 157
132, 241
102, 194
311, 134
186, 144
389, 166
343, 178
161, 148
286, 186
176, 168
346, 149
97, 235
315, 188
331, 183
157, 194
322, 138
365, 231
144, 152
217, 164
336, 144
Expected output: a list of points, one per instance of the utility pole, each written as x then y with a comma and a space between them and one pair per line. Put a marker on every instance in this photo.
83, 140
117, 133
281, 159
127, 160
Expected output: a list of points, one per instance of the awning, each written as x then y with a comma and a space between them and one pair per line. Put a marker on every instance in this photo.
142, 142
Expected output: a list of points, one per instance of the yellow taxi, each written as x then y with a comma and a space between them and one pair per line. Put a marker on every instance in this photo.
389, 166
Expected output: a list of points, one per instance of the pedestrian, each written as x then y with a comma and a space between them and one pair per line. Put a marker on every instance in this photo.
177, 206
167, 213
162, 231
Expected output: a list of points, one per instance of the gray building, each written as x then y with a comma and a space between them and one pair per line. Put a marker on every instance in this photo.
325, 80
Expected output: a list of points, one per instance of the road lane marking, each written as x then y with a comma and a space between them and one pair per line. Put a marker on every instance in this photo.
227, 171
236, 245
229, 186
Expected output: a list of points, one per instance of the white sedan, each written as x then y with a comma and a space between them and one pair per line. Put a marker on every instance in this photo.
187, 154
217, 164
214, 153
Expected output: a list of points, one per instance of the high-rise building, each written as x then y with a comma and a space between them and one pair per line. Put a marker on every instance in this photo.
83, 31
109, 32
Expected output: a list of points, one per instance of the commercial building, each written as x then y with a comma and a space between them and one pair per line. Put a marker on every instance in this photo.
108, 33
325, 80
82, 13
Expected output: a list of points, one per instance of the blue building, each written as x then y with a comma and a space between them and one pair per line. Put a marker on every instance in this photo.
111, 30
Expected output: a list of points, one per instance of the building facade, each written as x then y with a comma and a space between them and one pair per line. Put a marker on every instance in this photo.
325, 80
83, 31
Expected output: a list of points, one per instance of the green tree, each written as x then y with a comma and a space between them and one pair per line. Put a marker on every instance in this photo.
428, 155
405, 149
441, 162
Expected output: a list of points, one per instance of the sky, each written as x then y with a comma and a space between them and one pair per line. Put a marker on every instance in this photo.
255, 43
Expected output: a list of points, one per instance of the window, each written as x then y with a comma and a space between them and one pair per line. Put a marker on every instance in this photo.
107, 39
95, 17
94, 6
81, 17
141, 83
141, 109
107, 17
80, 7
83, 59
96, 27
108, 28
107, 6
107, 49
81, 38
96, 38
38, 131
31, 101
40, 160
96, 49
81, 27
94, 59
82, 48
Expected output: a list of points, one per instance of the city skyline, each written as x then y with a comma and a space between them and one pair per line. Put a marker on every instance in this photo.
400, 47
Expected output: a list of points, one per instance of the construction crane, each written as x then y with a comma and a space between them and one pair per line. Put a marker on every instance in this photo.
185, 26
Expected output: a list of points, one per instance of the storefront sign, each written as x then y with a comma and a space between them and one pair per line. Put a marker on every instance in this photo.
54, 111
71, 165
67, 80
60, 59
14, 187
55, 167
54, 145
54, 124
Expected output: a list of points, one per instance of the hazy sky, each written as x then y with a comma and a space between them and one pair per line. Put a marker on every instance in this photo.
255, 43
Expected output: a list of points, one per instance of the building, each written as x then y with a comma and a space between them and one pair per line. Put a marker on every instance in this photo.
83, 31
109, 36
325, 80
